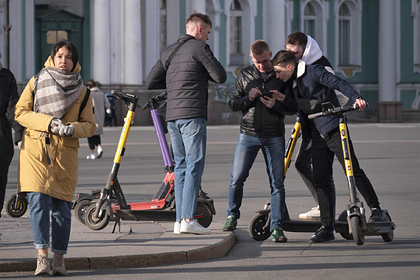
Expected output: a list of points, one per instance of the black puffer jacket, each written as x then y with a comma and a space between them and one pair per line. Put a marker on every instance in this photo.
258, 120
186, 78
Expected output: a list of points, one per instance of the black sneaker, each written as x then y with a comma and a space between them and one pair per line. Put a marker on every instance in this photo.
322, 235
377, 216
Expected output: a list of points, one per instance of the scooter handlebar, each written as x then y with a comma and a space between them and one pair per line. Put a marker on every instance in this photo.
118, 95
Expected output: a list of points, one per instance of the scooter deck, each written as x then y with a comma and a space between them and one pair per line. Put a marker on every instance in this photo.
311, 226
150, 215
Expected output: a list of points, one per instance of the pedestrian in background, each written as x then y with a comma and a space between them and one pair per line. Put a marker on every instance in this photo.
100, 105
55, 112
184, 69
8, 98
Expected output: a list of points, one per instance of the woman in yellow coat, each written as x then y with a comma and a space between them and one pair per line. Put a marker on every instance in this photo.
50, 110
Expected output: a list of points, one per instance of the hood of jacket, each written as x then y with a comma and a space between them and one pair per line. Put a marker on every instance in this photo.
312, 51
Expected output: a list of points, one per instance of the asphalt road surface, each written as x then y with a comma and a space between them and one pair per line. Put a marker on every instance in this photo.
388, 153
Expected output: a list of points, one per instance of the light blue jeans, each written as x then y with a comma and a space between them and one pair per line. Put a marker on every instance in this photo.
246, 151
39, 209
188, 137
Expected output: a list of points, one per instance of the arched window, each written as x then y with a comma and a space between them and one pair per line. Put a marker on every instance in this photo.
236, 31
313, 24
309, 21
349, 34
344, 34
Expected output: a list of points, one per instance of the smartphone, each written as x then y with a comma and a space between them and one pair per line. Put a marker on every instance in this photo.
267, 93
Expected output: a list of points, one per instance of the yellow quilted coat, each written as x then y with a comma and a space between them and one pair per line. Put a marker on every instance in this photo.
35, 175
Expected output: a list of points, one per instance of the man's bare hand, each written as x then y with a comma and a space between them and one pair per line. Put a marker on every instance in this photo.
253, 93
359, 103
278, 95
268, 101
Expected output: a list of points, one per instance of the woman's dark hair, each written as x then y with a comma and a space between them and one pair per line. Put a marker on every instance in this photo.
68, 45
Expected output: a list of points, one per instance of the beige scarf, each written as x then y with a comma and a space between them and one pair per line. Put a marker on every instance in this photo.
56, 91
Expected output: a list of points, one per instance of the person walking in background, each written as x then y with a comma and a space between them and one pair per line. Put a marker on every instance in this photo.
8, 98
184, 69
55, 110
100, 105
261, 128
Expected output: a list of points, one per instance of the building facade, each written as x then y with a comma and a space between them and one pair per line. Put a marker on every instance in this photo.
373, 44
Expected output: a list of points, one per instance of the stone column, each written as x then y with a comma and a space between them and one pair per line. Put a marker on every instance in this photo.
274, 24
101, 42
389, 109
133, 74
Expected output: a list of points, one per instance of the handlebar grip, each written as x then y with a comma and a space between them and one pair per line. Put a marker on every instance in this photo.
163, 94
313, 116
117, 95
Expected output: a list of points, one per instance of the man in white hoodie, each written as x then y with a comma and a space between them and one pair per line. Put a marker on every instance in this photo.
307, 49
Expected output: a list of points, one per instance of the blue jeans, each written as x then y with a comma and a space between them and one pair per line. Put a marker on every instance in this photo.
188, 137
246, 151
39, 209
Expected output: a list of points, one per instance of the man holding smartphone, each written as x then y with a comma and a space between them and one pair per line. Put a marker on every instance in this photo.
262, 128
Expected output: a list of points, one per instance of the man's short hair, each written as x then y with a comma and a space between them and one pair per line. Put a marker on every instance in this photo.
258, 47
297, 38
198, 18
284, 58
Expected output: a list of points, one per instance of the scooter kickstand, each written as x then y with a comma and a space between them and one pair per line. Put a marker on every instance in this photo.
117, 221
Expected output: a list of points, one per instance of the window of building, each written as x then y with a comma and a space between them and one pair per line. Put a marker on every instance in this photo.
349, 33
344, 34
313, 23
309, 21
54, 36
163, 37
236, 31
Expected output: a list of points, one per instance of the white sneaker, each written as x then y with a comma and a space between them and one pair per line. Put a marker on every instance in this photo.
91, 156
177, 227
99, 153
58, 266
193, 227
313, 214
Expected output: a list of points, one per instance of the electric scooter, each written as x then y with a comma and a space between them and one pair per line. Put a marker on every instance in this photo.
351, 223
162, 206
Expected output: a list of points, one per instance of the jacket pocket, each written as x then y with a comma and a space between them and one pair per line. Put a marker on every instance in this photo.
34, 144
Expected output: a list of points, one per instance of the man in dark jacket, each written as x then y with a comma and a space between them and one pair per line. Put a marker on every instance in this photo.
262, 128
184, 69
8, 98
315, 82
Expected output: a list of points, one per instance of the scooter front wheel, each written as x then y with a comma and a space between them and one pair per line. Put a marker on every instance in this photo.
356, 230
96, 223
16, 208
257, 227
80, 209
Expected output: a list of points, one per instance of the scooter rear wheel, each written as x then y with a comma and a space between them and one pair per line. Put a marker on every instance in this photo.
356, 229
389, 236
15, 209
80, 209
256, 228
96, 223
204, 210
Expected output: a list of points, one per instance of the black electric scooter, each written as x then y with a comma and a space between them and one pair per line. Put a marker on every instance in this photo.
162, 206
351, 223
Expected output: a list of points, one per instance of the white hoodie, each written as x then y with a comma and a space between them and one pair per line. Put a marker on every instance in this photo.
311, 54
